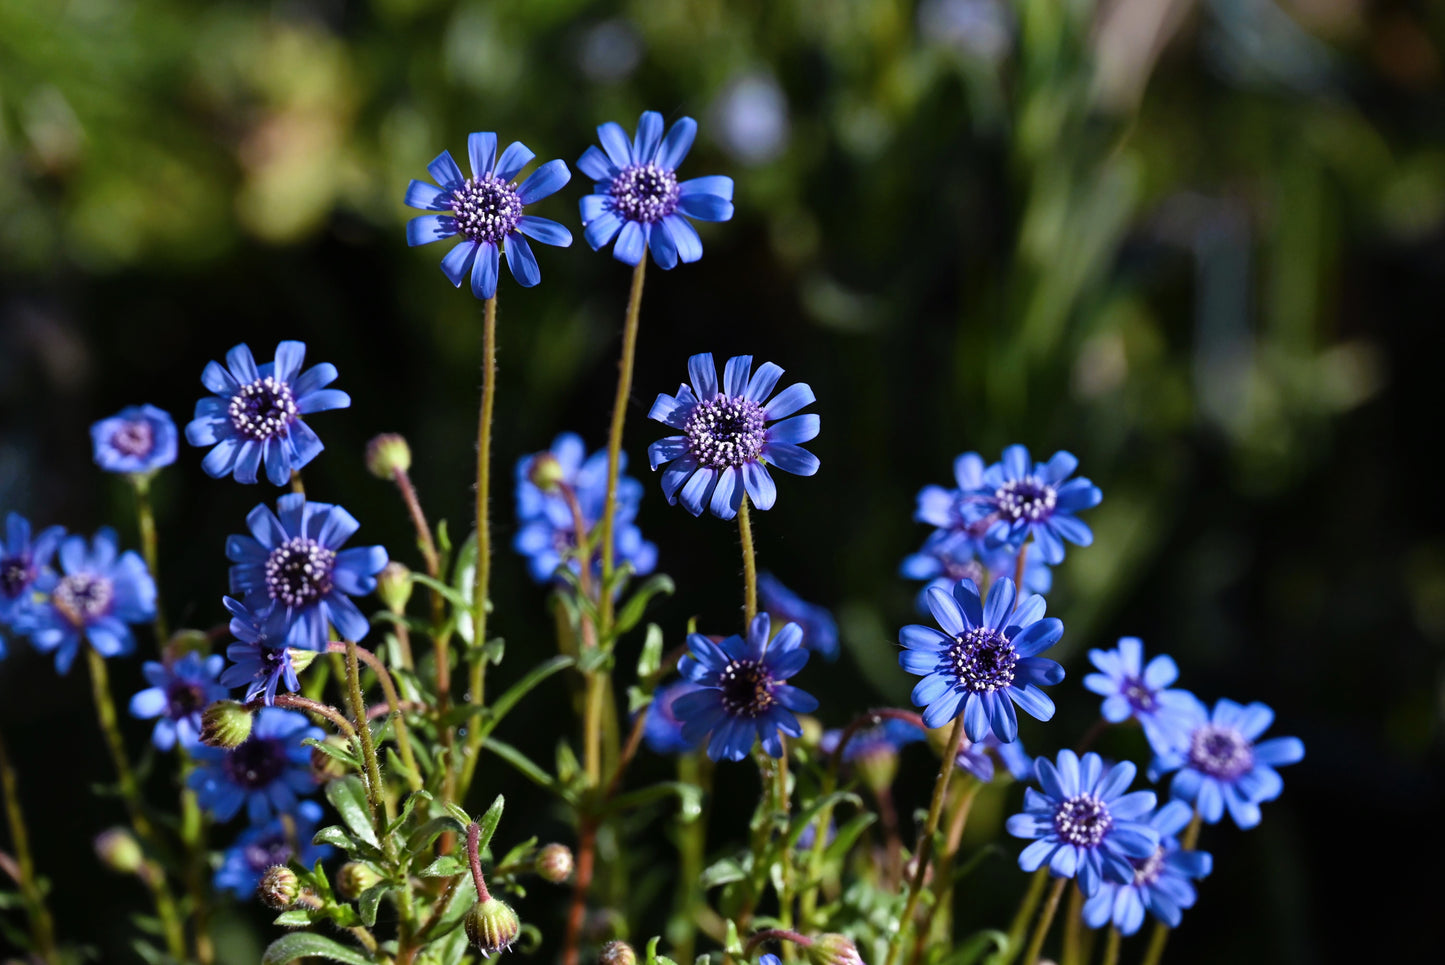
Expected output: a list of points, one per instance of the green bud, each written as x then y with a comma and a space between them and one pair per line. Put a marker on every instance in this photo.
812, 730
492, 926
833, 949
301, 658
225, 724
554, 863
119, 851
393, 585
545, 472
877, 768
617, 953
279, 888
183, 642
387, 454
354, 878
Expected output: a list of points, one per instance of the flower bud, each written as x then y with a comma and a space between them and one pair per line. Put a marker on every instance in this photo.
877, 768
545, 472
393, 585
225, 724
617, 953
119, 851
492, 926
301, 658
354, 878
554, 863
387, 454
183, 642
279, 888
833, 949
812, 730
324, 767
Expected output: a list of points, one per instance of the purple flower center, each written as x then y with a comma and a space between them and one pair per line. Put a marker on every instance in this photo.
15, 576
486, 208
185, 698
983, 660
747, 688
1220, 752
267, 852
263, 409
1083, 820
1140, 697
723, 432
136, 438
256, 763
1146, 871
645, 192
83, 597
298, 572
1027, 498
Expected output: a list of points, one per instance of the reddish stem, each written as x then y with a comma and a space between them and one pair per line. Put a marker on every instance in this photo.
474, 837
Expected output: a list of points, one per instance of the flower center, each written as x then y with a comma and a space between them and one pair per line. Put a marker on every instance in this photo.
298, 572
983, 660
82, 597
256, 763
747, 688
486, 208
1083, 820
263, 409
645, 192
1147, 870
1025, 498
267, 852
133, 438
1140, 697
1220, 752
723, 432
14, 576
185, 699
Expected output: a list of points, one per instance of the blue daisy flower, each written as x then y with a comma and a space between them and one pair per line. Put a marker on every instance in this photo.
985, 660
293, 560
977, 758
485, 210
260, 660
726, 445
137, 439
261, 848
948, 556
820, 630
256, 413
268, 773
177, 695
1083, 822
1222, 764
638, 199
663, 729
23, 561
744, 698
1162, 882
1132, 689
1022, 499
101, 593
952, 510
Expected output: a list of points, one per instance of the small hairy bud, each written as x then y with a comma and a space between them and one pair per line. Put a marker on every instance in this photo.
833, 949
492, 926
354, 878
301, 658
393, 585
324, 767
554, 863
545, 472
225, 724
279, 888
617, 953
183, 642
877, 769
387, 454
119, 851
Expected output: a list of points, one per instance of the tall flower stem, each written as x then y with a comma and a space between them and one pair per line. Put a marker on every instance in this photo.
1025, 914
374, 795
1046, 919
1073, 952
474, 861
1111, 947
614, 434
193, 836
924, 850
42, 926
482, 580
750, 564
383, 676
1160, 936
146, 522
941, 909
692, 768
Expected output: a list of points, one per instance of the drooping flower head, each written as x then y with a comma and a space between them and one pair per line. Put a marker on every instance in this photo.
137, 439
727, 444
23, 561
98, 595
256, 413
977, 758
1021, 498
1132, 689
743, 697
948, 556
872, 752
1222, 764
663, 729
260, 660
820, 630
177, 694
1162, 882
985, 660
1084, 823
485, 212
293, 560
267, 773
637, 198
268, 845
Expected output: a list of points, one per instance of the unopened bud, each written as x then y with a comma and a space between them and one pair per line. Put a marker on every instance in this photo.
545, 472
812, 730
617, 953
877, 767
279, 888
225, 724
492, 926
354, 878
324, 767
387, 455
301, 658
833, 949
119, 851
183, 642
393, 585
554, 863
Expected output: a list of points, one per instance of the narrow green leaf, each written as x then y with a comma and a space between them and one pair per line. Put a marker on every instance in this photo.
297, 918
413, 799
299, 944
447, 866
649, 662
636, 605
689, 797
488, 823
340, 753
370, 900
450, 594
423, 836
847, 835
722, 872
811, 814
521, 688
522, 763
348, 796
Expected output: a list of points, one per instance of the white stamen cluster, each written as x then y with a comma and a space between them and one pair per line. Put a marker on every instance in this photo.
645, 192
1147, 870
1083, 820
14, 576
82, 597
263, 409
298, 572
1220, 752
723, 432
1026, 498
747, 688
486, 208
982, 660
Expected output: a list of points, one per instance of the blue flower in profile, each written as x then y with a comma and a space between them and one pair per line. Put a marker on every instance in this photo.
177, 694
820, 630
1021, 498
743, 697
137, 439
293, 560
1132, 689
985, 660
256, 413
23, 561
663, 729
727, 444
1222, 764
637, 198
260, 660
887, 737
268, 773
953, 510
101, 593
948, 556
1083, 823
977, 758
485, 211
265, 846
1162, 882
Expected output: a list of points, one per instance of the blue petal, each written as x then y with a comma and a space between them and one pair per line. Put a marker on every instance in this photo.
760, 486
677, 143
664, 252
790, 458
705, 207
702, 372
631, 244
425, 229
521, 261
546, 180
485, 270
649, 135
428, 197
715, 185
800, 428
545, 230
513, 159
482, 150
444, 171
616, 143
596, 165
603, 229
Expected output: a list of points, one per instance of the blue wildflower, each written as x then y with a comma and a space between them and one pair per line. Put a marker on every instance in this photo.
1222, 764
985, 661
638, 199
888, 737
273, 843
177, 695
485, 209
293, 559
663, 729
267, 773
1161, 882
1132, 689
1021, 499
101, 593
948, 556
952, 510
23, 561
256, 413
744, 698
1083, 822
137, 439
260, 660
726, 443
977, 757
820, 630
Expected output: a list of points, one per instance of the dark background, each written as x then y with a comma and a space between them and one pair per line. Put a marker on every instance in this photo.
1206, 258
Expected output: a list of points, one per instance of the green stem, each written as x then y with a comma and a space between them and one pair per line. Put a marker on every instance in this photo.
1160, 936
1111, 947
750, 564
193, 836
1072, 953
695, 769
374, 796
145, 518
388, 687
482, 581
297, 486
1046, 919
42, 927
614, 432
1025, 914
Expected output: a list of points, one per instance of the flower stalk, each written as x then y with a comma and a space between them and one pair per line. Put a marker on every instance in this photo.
42, 926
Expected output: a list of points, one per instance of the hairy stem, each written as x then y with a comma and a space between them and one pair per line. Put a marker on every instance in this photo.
388, 687
750, 564
146, 521
42, 926
374, 795
482, 580
1046, 919
614, 432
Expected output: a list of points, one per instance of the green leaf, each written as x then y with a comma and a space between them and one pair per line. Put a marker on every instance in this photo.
568, 767
297, 918
342, 754
348, 796
649, 662
801, 823
689, 797
423, 836
722, 872
447, 866
296, 945
596, 659
516, 854
637, 698
976, 946
849, 833
411, 802
370, 900
522, 763
636, 605
450, 594
488, 823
